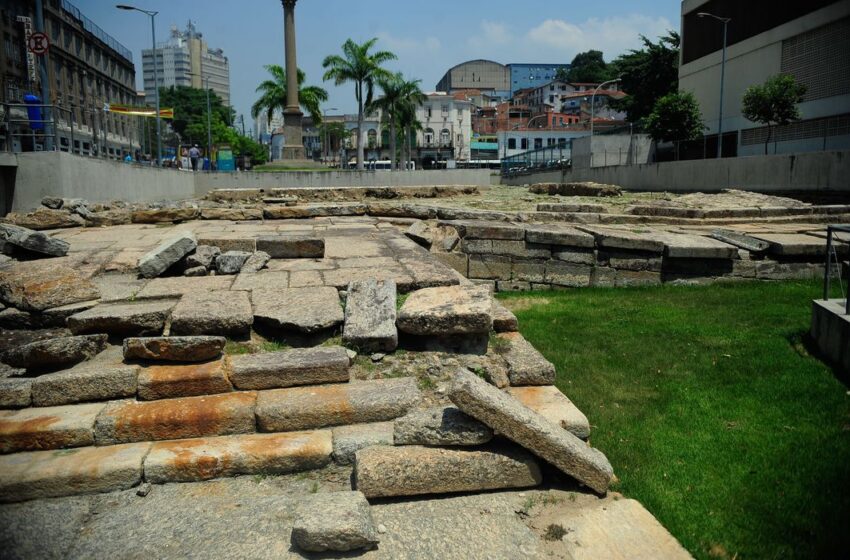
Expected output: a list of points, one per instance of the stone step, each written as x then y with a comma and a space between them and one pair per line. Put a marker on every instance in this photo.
189, 417
414, 470
268, 454
87, 470
183, 380
447, 311
32, 429
552, 404
288, 368
526, 366
305, 408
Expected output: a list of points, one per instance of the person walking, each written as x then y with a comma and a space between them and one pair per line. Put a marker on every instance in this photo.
194, 154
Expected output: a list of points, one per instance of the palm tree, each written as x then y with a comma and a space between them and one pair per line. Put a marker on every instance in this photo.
273, 95
412, 97
390, 104
362, 68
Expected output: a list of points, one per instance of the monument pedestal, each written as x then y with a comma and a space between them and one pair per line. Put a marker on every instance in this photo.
293, 152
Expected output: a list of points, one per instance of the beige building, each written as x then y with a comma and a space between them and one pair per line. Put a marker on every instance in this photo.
86, 70
186, 60
808, 40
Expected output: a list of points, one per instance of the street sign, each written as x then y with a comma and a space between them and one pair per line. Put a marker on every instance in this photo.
38, 43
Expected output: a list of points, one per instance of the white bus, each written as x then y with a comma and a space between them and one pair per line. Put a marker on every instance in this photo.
380, 165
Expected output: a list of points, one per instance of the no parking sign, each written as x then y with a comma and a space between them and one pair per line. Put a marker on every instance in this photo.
38, 43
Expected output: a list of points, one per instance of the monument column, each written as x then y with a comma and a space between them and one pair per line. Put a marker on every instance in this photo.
293, 148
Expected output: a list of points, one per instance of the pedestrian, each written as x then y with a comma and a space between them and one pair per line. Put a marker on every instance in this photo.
194, 154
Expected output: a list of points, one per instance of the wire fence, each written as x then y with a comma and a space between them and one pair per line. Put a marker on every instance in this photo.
542, 159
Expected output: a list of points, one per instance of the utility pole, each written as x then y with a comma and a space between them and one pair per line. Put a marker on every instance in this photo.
725, 22
46, 114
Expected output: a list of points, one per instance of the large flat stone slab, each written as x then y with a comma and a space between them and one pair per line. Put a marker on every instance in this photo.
33, 241
349, 439
55, 352
503, 319
447, 310
15, 392
442, 425
483, 229
415, 470
89, 381
305, 408
740, 240
292, 246
190, 417
796, 244
338, 521
124, 319
681, 245
179, 380
289, 368
611, 238
166, 254
88, 470
226, 313
178, 286
44, 284
549, 441
174, 348
526, 366
32, 429
558, 235
552, 404
370, 316
302, 310
268, 454
618, 529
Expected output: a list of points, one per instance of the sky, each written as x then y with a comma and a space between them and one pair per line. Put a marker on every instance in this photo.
429, 37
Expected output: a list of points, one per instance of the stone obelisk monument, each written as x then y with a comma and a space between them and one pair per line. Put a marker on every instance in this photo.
293, 148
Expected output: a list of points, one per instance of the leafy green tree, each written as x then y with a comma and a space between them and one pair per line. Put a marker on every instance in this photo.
773, 103
587, 67
332, 131
190, 112
273, 95
362, 68
647, 75
676, 117
399, 97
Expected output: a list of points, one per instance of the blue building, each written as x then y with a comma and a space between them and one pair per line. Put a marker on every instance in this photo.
528, 75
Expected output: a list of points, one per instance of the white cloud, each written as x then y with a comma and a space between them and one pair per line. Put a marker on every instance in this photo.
492, 34
613, 36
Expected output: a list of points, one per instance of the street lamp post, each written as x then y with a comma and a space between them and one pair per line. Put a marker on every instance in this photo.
725, 22
527, 126
152, 15
327, 137
593, 104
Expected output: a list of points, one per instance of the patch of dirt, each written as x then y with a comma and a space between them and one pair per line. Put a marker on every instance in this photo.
523, 303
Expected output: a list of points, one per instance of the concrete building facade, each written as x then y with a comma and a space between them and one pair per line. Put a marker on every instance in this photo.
86, 70
808, 40
486, 76
528, 75
186, 60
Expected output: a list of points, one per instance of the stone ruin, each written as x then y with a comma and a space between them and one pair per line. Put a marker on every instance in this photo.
257, 333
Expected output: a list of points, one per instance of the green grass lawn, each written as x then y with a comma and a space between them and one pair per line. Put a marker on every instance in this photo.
710, 408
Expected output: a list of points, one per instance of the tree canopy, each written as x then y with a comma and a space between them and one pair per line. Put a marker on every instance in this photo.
273, 95
675, 117
773, 102
587, 67
647, 75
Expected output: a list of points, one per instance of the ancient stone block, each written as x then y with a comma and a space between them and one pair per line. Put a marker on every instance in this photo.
44, 284
204, 256
33, 241
526, 366
190, 417
231, 262
31, 429
349, 439
55, 352
558, 235
338, 521
443, 425
447, 310
549, 441
174, 348
503, 319
304, 408
567, 274
292, 246
225, 313
15, 392
166, 254
304, 310
189, 380
289, 368
414, 470
88, 381
370, 316
123, 318
489, 267
196, 459
89, 470
552, 404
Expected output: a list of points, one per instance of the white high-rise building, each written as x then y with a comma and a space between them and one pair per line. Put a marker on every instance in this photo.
186, 60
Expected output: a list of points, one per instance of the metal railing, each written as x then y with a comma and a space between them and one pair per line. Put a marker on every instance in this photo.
830, 253
557, 156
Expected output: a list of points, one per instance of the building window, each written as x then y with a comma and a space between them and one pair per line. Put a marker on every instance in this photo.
538, 143
429, 136
523, 145
512, 143
445, 110
445, 137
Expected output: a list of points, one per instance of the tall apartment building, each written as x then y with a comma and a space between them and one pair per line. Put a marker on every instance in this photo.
186, 60
86, 68
808, 40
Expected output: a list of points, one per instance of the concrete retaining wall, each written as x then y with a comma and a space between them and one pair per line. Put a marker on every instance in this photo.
205, 182
69, 176
817, 171
831, 332
40, 174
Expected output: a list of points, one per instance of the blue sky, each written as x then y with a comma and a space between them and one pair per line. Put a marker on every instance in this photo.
428, 36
